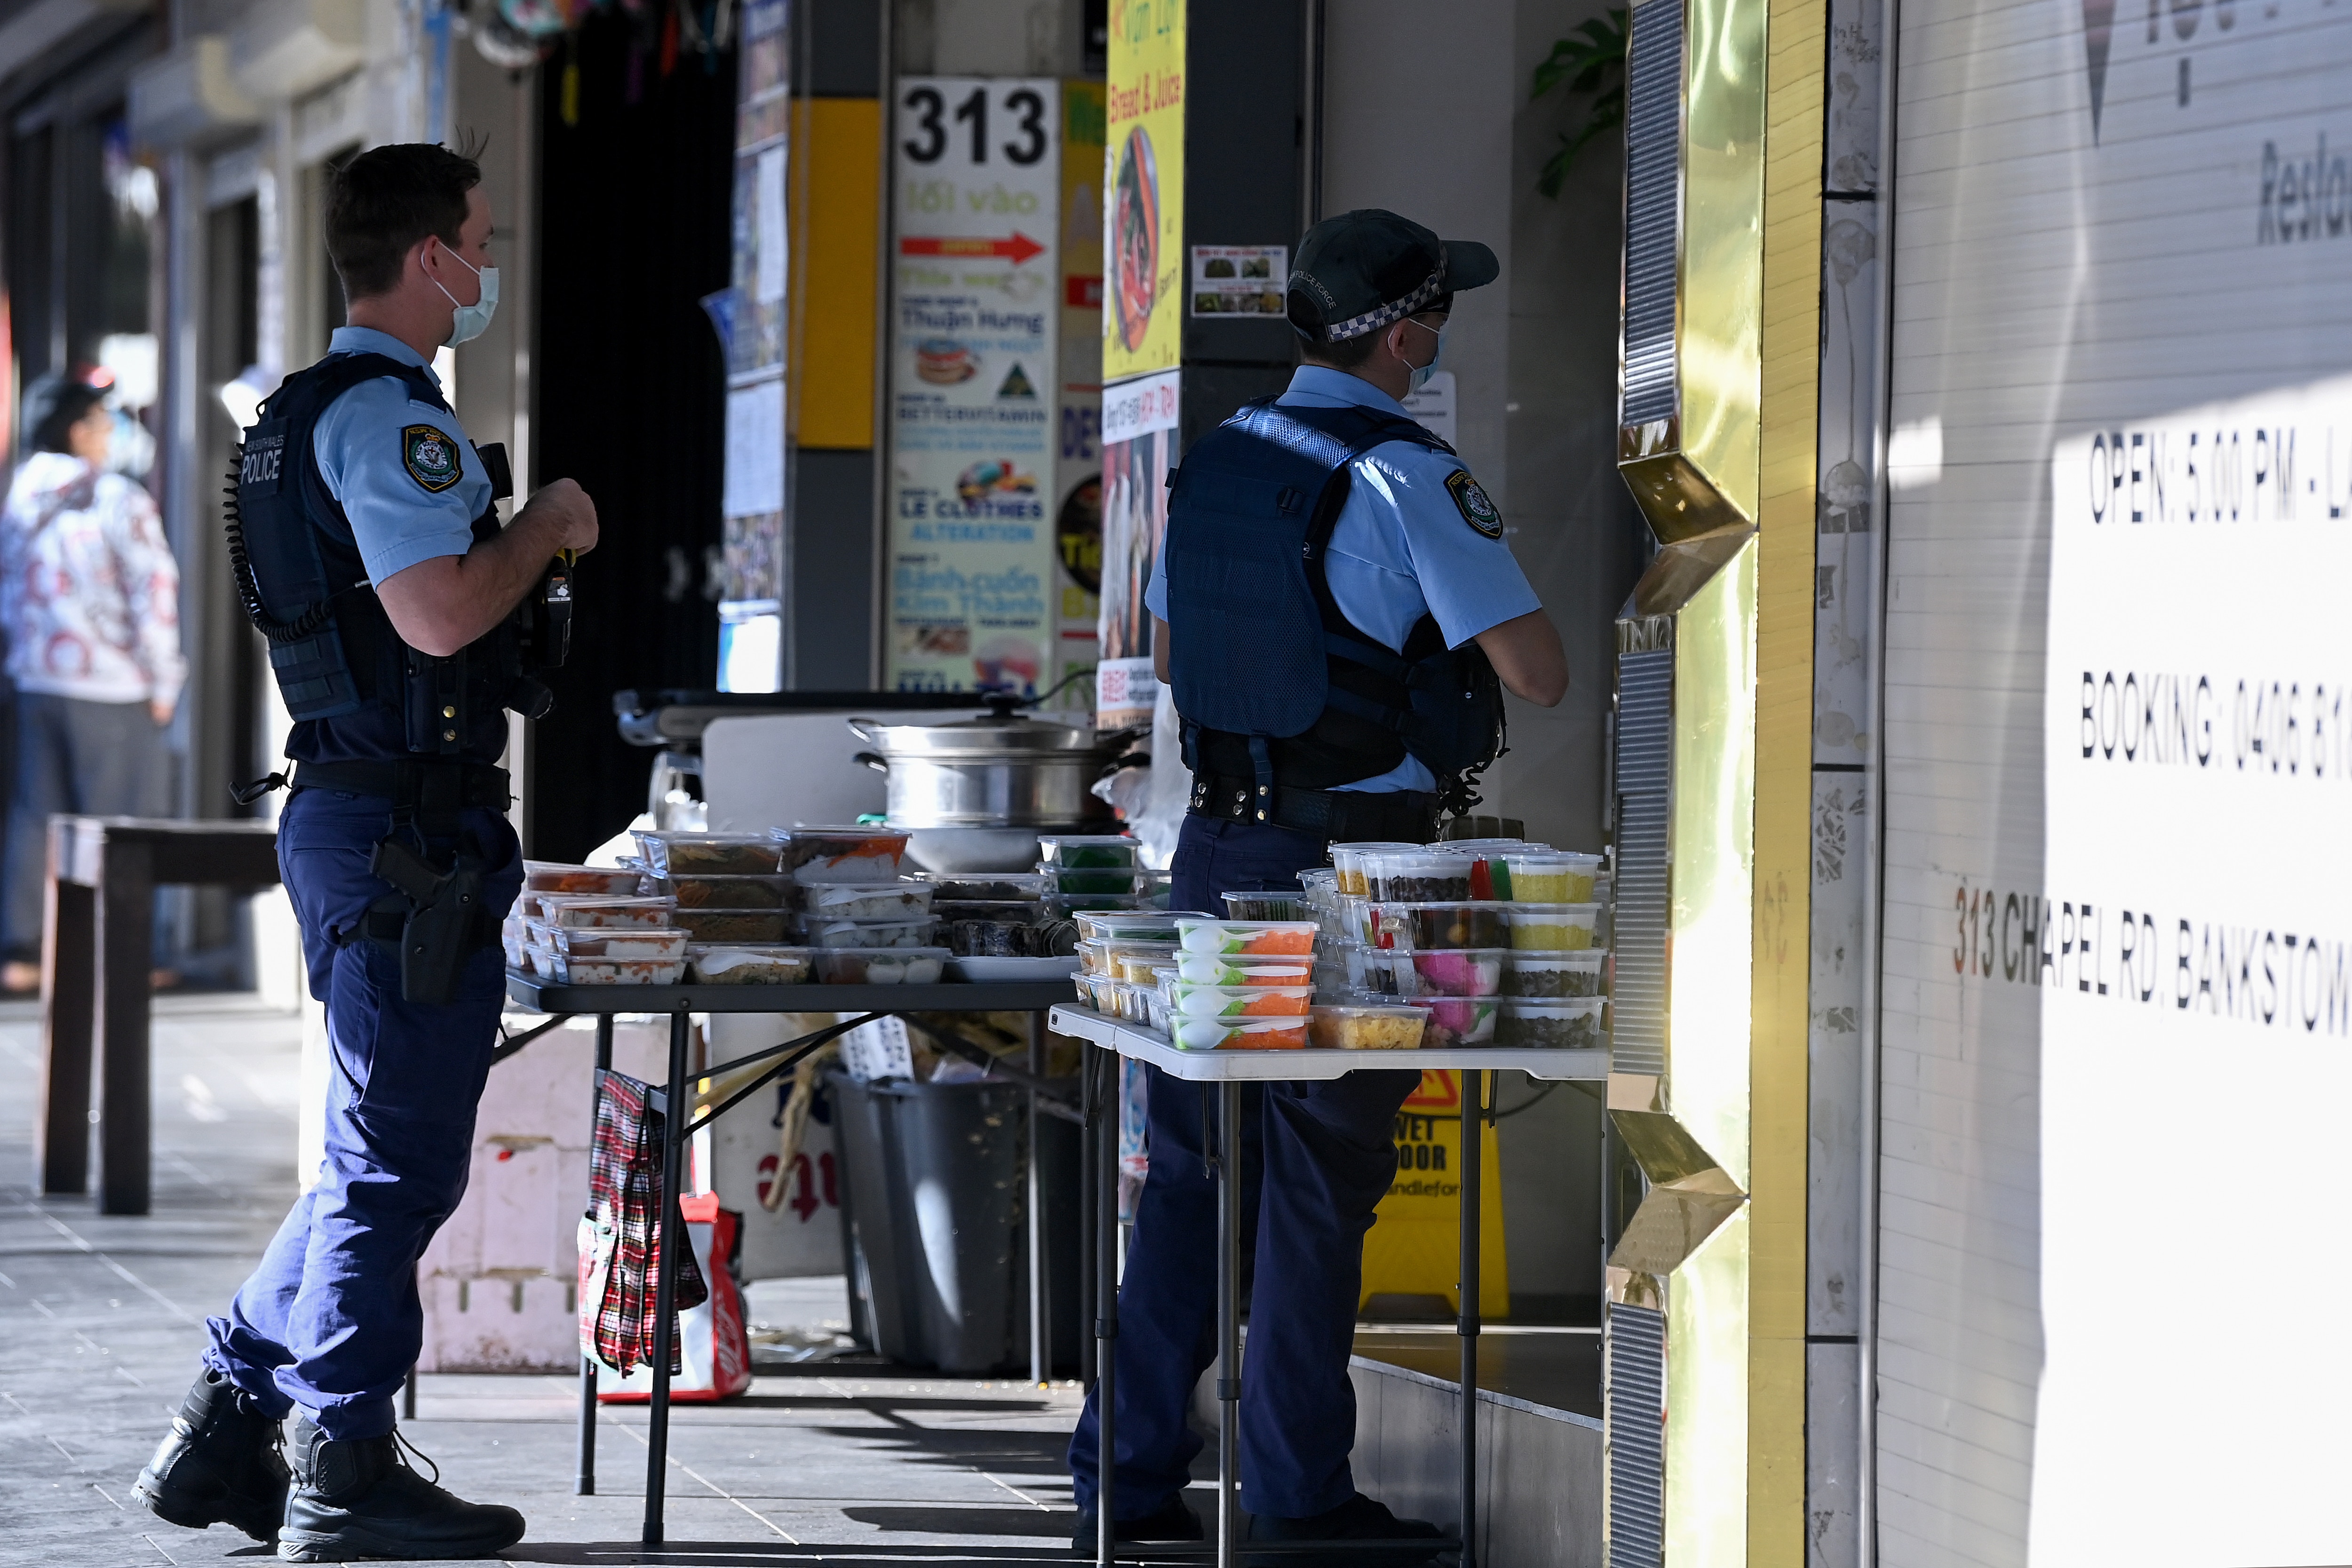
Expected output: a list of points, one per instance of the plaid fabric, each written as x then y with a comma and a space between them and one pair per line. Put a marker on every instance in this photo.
622, 1227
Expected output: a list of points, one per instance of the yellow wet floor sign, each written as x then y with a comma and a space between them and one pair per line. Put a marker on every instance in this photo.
1415, 1244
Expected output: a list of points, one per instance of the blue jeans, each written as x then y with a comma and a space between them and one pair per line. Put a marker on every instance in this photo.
1315, 1159
330, 1320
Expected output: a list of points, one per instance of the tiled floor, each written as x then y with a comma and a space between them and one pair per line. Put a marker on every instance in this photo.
102, 1323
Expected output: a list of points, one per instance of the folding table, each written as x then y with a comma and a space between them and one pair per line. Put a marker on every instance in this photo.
603, 1003
1229, 1069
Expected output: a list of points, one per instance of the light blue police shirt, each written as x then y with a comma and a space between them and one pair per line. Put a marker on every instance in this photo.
376, 452
1401, 549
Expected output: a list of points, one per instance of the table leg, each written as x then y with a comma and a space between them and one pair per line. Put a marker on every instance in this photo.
1473, 1144
1088, 1201
68, 983
584, 1480
1229, 1316
1040, 1336
677, 1108
1106, 1140
126, 942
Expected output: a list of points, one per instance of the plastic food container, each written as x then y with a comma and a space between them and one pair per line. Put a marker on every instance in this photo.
1553, 876
1355, 1027
697, 891
1142, 968
1254, 937
1096, 881
1095, 957
1538, 974
1086, 984
569, 971
1156, 1016
755, 926
554, 877
858, 900
1458, 972
1016, 938
990, 886
1267, 906
1098, 851
1348, 863
843, 854
1277, 1034
879, 966
1553, 928
1215, 969
1418, 927
1457, 1020
725, 853
751, 965
1239, 1001
1490, 874
820, 931
1416, 876
1570, 1023
584, 910
1381, 973
1128, 925
608, 942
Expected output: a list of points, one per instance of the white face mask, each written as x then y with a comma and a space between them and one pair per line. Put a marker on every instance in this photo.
1421, 372
471, 320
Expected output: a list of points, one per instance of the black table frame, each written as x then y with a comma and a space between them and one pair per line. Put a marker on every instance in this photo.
603, 1003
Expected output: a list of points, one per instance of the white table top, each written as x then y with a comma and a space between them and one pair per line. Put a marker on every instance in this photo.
1255, 1067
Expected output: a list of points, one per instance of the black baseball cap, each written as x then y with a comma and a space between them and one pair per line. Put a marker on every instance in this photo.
1362, 271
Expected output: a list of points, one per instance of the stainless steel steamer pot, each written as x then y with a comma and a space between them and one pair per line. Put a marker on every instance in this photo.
997, 771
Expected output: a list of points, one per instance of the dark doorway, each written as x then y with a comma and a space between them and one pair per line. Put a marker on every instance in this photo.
635, 190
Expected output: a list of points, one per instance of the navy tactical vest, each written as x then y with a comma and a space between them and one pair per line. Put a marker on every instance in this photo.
355, 689
1273, 682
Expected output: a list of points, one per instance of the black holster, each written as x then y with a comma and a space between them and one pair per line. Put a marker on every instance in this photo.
438, 916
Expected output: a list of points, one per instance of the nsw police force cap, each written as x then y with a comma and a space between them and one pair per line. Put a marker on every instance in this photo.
1362, 270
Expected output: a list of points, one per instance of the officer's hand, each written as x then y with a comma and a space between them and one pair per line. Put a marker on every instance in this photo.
567, 505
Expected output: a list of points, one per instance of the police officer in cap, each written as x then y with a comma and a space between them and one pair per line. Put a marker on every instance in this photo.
403, 622
1334, 606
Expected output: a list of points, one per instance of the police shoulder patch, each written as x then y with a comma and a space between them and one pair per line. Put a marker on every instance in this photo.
1471, 497
431, 456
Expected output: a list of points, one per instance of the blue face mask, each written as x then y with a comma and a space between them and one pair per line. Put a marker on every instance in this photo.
1421, 372
471, 320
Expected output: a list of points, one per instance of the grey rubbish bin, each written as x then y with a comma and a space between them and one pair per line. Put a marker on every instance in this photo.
935, 1222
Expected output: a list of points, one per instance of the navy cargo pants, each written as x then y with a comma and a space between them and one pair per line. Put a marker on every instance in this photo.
1315, 1158
330, 1320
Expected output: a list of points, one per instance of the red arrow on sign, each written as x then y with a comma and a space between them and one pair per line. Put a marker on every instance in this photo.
1020, 248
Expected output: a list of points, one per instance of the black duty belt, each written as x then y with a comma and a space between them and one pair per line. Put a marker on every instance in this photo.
1334, 816
431, 788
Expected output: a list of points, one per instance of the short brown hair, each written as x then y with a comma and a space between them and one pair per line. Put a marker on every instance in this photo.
384, 201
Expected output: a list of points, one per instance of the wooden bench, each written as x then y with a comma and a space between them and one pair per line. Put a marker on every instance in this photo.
97, 958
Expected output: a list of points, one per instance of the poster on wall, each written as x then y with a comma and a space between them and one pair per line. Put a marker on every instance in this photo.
1077, 518
1140, 420
1143, 278
1238, 280
1143, 188
973, 384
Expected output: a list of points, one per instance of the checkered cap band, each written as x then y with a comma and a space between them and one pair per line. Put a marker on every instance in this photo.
1372, 320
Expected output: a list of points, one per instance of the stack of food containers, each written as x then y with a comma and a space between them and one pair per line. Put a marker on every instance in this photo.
1497, 942
992, 915
797, 904
587, 925
1124, 955
1087, 873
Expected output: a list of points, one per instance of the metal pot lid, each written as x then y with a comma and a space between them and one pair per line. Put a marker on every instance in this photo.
990, 738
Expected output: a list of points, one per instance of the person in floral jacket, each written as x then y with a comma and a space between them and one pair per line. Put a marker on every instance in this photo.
90, 602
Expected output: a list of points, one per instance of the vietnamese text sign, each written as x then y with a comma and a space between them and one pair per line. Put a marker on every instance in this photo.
973, 379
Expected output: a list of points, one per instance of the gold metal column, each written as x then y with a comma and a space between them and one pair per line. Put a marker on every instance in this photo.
1705, 1398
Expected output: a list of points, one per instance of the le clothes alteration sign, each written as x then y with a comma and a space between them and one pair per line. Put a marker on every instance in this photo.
974, 380
2119, 1025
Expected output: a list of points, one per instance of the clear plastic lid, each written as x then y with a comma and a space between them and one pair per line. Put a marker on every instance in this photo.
1088, 851
556, 877
1259, 938
861, 901
1408, 876
988, 887
589, 909
1219, 969
725, 890
879, 965
851, 853
1267, 906
666, 852
1239, 1001
733, 963
1134, 925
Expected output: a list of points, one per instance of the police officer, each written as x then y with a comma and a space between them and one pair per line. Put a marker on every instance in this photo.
1334, 603
367, 547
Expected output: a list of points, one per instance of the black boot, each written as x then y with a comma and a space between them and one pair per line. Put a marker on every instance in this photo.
1357, 1519
1171, 1521
220, 1463
360, 1499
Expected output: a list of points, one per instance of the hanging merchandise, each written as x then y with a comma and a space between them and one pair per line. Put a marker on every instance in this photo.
1143, 256
620, 1236
973, 379
714, 1342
